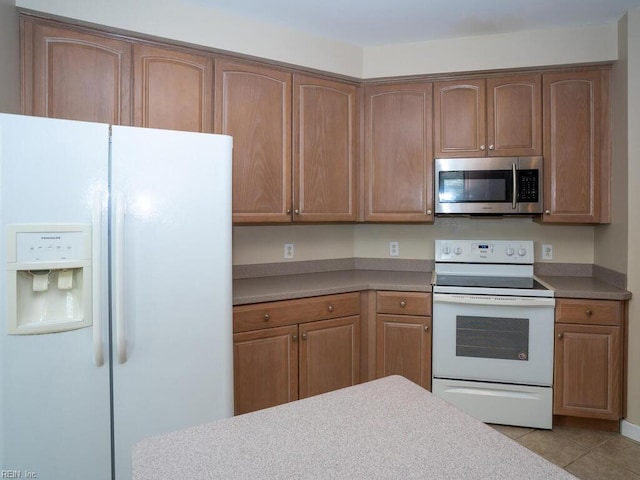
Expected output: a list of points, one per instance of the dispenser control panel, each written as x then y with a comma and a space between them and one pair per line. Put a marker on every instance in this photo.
49, 246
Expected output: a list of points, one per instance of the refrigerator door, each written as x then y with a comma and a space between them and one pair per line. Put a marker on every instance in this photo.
171, 265
54, 398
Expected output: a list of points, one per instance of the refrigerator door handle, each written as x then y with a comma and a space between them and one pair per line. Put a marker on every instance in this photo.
96, 253
118, 249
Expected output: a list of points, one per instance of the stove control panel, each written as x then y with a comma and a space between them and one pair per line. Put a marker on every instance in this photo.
518, 252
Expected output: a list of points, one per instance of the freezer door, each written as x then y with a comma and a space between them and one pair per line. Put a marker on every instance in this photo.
54, 401
171, 269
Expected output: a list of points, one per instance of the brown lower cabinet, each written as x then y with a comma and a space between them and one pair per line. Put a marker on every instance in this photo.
294, 349
588, 366
403, 336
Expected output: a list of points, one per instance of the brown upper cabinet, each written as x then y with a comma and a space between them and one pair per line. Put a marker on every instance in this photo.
75, 75
398, 167
498, 116
324, 153
172, 89
253, 104
311, 179
297, 135
577, 147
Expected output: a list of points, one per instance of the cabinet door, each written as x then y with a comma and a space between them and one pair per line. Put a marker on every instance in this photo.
459, 119
576, 147
253, 104
514, 116
172, 89
398, 153
324, 154
404, 347
73, 75
265, 368
587, 366
329, 355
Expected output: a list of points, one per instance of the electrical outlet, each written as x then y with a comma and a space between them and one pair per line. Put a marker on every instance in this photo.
288, 251
547, 251
394, 249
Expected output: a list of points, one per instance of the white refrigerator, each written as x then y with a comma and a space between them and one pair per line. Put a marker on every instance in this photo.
115, 295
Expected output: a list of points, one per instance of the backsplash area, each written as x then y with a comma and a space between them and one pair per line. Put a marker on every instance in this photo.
265, 244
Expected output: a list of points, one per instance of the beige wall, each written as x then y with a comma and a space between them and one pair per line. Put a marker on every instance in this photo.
525, 49
315, 242
196, 24
9, 58
633, 260
193, 23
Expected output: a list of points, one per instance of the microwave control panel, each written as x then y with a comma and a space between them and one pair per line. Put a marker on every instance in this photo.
528, 186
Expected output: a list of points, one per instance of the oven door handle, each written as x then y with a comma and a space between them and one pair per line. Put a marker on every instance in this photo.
495, 301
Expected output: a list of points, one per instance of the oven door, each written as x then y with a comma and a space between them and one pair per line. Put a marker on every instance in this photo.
494, 339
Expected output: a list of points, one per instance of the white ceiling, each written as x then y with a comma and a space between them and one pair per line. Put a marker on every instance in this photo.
384, 22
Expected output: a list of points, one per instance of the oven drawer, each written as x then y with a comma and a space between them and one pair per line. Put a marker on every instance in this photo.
589, 312
404, 303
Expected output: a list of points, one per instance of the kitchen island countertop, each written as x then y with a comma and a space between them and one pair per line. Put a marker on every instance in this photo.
384, 429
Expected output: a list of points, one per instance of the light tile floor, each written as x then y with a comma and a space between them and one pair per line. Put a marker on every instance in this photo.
587, 454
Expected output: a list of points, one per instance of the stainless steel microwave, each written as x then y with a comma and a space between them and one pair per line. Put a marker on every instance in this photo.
488, 186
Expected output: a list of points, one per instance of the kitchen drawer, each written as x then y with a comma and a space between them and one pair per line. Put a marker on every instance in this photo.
404, 303
289, 312
589, 312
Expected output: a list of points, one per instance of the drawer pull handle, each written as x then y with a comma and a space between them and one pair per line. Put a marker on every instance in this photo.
304, 336
588, 312
403, 304
266, 317
331, 308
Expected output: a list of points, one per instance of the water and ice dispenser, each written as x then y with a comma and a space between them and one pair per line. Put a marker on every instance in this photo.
48, 278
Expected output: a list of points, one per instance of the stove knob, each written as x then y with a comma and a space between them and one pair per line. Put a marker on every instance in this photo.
510, 251
446, 250
522, 252
457, 250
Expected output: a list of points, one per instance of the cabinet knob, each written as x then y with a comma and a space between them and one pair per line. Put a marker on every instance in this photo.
426, 328
296, 211
403, 304
560, 335
266, 317
588, 312
288, 211
482, 147
330, 308
547, 212
491, 147
294, 338
304, 336
429, 212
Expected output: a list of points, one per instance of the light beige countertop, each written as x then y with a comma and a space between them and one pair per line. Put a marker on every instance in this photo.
583, 287
384, 429
284, 287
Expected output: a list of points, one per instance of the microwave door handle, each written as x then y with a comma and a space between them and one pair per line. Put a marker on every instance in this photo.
515, 186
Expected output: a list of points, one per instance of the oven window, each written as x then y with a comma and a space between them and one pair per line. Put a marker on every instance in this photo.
475, 186
489, 337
